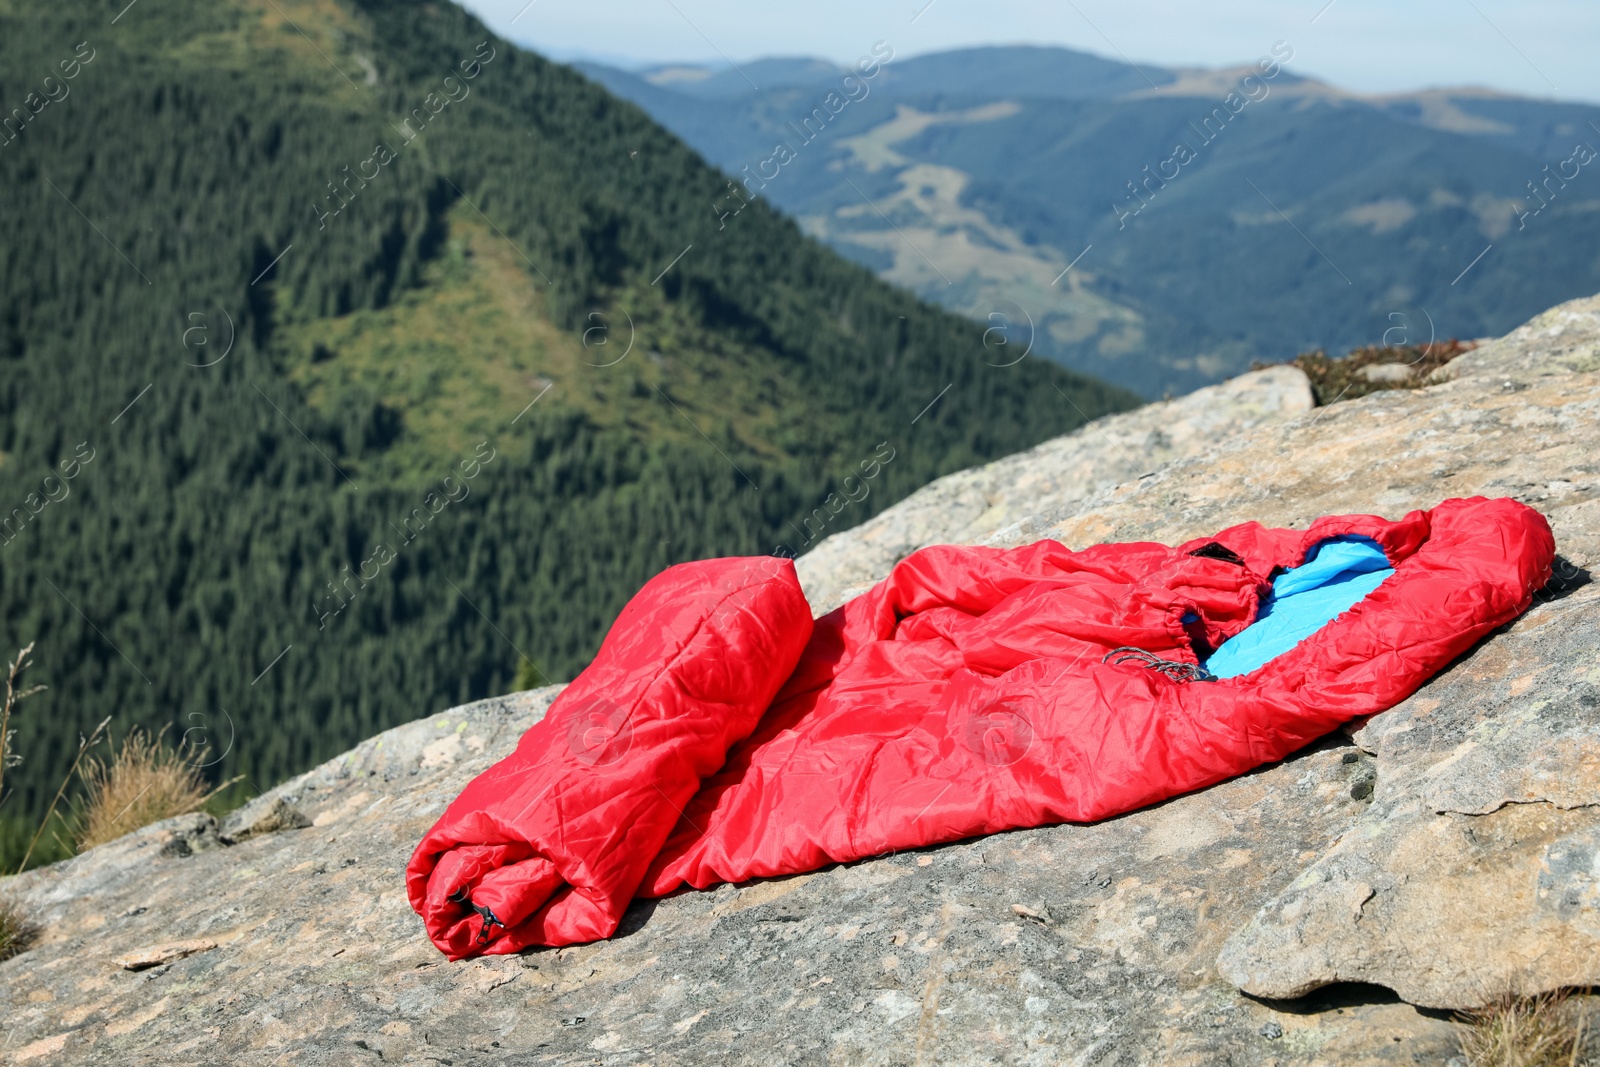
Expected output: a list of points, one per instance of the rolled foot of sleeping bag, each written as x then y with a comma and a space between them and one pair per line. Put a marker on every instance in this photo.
548, 846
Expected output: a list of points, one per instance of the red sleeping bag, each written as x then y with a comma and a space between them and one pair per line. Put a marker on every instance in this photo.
721, 735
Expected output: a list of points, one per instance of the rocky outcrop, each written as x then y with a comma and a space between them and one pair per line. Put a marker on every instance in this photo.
1446, 850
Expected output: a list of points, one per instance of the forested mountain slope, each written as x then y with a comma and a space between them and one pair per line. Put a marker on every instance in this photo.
351, 357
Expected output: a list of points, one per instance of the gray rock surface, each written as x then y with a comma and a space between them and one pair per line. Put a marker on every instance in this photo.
1071, 944
971, 505
1449, 852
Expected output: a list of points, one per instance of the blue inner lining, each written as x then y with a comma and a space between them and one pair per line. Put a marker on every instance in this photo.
1338, 574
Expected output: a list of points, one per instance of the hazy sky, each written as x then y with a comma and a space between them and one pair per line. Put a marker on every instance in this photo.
1544, 48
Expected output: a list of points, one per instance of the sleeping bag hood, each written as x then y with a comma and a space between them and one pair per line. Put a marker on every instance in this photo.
720, 734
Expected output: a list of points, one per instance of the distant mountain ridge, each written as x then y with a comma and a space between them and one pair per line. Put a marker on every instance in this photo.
1322, 218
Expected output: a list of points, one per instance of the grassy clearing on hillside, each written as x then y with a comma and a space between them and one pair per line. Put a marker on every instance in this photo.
459, 358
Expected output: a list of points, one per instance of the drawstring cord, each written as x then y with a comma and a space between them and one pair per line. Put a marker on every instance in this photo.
1178, 672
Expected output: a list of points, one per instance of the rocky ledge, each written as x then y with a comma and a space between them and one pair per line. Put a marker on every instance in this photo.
1329, 909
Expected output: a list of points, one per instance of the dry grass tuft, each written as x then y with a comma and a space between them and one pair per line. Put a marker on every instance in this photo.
143, 783
16, 932
1335, 378
1548, 1030
14, 696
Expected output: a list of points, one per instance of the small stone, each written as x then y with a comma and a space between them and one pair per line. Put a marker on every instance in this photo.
1386, 372
1351, 757
573, 1020
1270, 1031
144, 959
1361, 789
188, 835
262, 816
